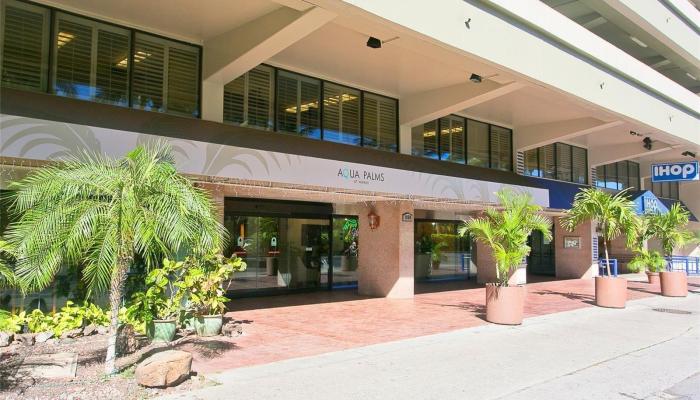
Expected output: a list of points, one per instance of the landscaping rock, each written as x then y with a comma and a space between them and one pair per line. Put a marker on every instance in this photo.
57, 365
6, 338
102, 330
72, 334
232, 329
90, 329
167, 368
26, 339
41, 337
127, 342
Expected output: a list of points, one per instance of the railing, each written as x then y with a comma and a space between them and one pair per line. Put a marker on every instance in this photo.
602, 267
690, 265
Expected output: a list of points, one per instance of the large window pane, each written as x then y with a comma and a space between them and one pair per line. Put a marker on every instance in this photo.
183, 80
531, 164
298, 104
564, 167
341, 114
633, 175
622, 175
248, 98
501, 156
380, 119
424, 140
611, 181
25, 30
547, 161
90, 60
579, 165
452, 139
600, 176
477, 143
148, 74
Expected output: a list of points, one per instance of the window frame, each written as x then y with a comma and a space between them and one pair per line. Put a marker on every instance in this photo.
570, 150
637, 185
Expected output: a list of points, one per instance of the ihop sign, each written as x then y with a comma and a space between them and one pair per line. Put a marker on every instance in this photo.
674, 172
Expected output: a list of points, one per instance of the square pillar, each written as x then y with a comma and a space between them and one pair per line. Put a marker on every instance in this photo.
574, 263
486, 267
386, 253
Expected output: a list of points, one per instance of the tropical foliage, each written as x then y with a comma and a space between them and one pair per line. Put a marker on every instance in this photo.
101, 213
69, 317
506, 230
613, 212
651, 261
160, 300
669, 228
203, 282
7, 273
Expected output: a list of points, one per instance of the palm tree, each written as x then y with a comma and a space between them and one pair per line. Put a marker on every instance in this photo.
614, 213
100, 213
669, 228
7, 273
506, 230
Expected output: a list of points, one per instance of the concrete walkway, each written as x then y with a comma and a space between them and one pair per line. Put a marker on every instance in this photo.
590, 353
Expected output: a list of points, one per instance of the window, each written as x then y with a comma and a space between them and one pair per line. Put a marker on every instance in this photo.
452, 139
90, 60
477, 143
667, 190
501, 155
341, 114
165, 76
380, 122
248, 99
298, 104
25, 39
558, 161
424, 140
618, 176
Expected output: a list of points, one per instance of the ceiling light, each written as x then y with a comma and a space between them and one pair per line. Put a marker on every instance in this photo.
639, 42
374, 43
691, 76
475, 78
64, 38
660, 63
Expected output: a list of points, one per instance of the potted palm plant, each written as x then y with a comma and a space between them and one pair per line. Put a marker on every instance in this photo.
669, 228
204, 284
615, 216
651, 261
506, 231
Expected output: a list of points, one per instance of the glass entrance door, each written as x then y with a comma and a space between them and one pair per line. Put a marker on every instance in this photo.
345, 247
541, 258
280, 253
440, 252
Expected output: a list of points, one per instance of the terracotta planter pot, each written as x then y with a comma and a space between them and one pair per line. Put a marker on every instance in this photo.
653, 278
610, 292
504, 304
674, 284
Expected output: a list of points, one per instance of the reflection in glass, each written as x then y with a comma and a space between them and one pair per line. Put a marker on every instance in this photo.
440, 252
345, 246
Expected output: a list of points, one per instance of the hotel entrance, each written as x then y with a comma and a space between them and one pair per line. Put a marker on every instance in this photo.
290, 246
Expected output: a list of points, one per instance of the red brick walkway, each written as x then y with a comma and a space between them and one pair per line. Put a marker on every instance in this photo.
282, 327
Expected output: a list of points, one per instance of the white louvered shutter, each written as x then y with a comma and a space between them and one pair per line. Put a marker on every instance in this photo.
25, 46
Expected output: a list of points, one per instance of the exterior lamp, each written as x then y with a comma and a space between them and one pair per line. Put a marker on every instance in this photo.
373, 220
475, 78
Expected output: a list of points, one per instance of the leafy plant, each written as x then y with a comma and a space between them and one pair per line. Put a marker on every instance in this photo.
436, 250
614, 214
10, 322
7, 258
101, 213
670, 229
37, 321
161, 300
204, 279
651, 261
506, 231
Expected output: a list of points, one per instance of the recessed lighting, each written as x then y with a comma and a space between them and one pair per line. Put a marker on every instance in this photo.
691, 76
475, 78
64, 38
639, 42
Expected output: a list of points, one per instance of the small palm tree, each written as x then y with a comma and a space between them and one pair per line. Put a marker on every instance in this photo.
506, 230
613, 212
670, 229
100, 213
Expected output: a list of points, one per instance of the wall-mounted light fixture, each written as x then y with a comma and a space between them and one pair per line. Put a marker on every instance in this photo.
376, 43
647, 143
688, 154
373, 220
475, 78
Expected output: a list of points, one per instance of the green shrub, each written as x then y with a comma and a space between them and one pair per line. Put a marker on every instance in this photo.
70, 317
203, 282
10, 322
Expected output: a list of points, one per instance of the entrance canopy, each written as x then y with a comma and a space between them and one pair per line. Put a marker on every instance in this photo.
646, 202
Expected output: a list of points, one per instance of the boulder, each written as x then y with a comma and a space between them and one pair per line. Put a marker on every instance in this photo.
89, 330
26, 339
167, 368
126, 340
41, 337
102, 330
6, 338
72, 334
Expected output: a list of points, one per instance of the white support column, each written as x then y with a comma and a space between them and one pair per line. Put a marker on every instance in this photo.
235, 52
432, 104
534, 136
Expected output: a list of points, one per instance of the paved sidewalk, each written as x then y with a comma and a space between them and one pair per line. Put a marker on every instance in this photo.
589, 353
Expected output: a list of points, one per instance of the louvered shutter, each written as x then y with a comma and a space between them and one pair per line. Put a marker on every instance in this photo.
298, 104
599, 176
579, 165
148, 75
633, 175
426, 140
259, 98
183, 80
286, 102
477, 143
341, 114
25, 46
547, 162
308, 108
564, 162
379, 122
452, 139
501, 157
73, 62
531, 163
234, 101
111, 69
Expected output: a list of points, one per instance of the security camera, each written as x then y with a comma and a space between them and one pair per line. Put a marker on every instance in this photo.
647, 143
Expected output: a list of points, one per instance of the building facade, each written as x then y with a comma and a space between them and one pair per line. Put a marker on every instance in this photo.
344, 141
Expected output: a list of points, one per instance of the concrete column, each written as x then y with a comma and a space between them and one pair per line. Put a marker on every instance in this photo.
574, 263
486, 267
386, 253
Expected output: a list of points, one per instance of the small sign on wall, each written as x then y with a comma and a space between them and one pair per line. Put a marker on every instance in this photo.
407, 217
572, 242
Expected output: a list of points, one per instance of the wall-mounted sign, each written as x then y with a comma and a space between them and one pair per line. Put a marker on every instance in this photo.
407, 217
675, 171
572, 242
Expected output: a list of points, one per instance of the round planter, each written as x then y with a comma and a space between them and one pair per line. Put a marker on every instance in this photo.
161, 330
208, 325
504, 304
653, 278
674, 284
610, 292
